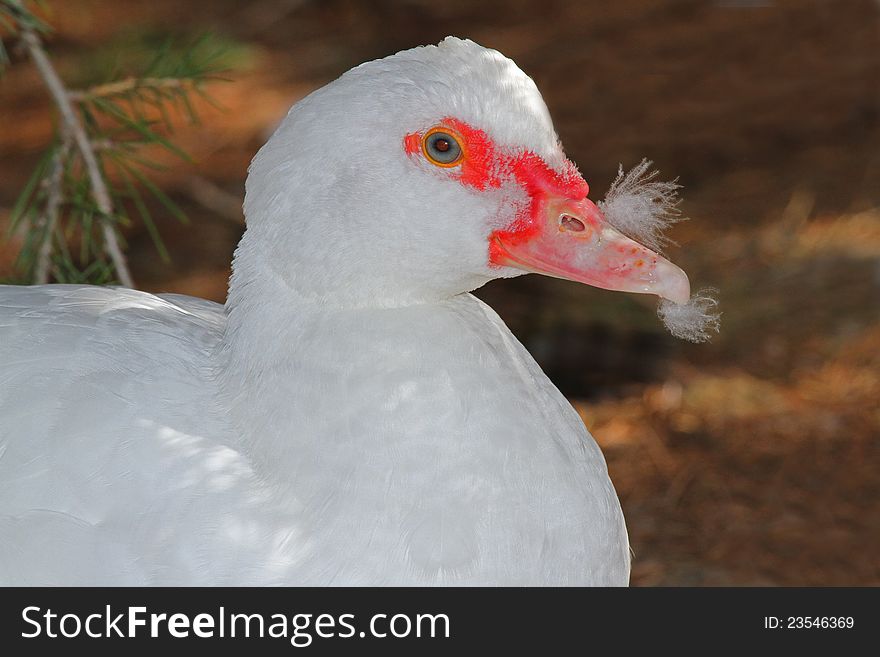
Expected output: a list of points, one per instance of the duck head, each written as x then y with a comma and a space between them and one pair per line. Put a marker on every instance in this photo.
425, 174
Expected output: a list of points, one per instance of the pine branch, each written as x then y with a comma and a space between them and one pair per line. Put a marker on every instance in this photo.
49, 220
57, 90
90, 179
13, 14
126, 86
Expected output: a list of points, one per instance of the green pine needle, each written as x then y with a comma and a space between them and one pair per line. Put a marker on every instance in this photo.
120, 115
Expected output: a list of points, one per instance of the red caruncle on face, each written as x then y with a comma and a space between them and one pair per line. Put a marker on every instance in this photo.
558, 231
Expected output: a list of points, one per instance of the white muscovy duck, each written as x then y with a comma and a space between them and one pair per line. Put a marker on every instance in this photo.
352, 415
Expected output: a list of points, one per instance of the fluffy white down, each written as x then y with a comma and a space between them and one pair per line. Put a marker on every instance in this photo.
351, 416
642, 207
695, 320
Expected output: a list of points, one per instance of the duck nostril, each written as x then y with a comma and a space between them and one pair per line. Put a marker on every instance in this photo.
567, 222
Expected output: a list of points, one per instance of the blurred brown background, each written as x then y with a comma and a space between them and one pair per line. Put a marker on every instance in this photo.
751, 460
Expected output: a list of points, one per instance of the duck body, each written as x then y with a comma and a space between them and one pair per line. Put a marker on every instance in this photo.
427, 448
351, 415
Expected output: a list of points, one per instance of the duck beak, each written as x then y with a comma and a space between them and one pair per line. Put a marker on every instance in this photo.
572, 240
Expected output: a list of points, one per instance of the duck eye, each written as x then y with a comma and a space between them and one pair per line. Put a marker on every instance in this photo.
441, 148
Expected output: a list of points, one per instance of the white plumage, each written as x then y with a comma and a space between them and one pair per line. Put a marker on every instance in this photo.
351, 415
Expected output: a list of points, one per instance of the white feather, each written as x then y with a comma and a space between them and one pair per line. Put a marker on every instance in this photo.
694, 321
642, 207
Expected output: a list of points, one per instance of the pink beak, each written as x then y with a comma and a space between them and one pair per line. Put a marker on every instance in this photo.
571, 239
